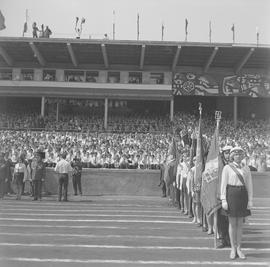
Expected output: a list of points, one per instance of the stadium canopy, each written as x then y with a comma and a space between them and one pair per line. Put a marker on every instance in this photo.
133, 55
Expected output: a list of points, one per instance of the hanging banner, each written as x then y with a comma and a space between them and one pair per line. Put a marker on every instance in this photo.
192, 84
253, 85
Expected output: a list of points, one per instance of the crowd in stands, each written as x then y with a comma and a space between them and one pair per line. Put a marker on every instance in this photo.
131, 141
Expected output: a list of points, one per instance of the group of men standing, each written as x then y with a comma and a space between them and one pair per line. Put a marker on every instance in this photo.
34, 172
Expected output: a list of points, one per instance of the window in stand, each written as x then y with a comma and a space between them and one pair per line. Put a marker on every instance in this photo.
5, 74
74, 76
91, 76
49, 75
156, 78
135, 77
113, 77
27, 74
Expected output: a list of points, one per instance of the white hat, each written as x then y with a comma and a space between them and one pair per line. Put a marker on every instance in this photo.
225, 148
237, 148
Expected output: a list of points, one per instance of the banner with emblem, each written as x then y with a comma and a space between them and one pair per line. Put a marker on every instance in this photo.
193, 84
210, 178
251, 85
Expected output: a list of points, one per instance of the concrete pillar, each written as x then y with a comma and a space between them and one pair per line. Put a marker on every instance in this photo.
171, 109
57, 111
106, 114
235, 111
42, 106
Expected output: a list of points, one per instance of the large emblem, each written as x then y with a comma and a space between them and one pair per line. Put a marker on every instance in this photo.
253, 85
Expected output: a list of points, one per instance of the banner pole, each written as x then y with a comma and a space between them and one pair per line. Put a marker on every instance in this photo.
218, 118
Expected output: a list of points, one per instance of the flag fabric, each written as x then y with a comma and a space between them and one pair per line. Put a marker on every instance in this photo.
232, 28
210, 31
199, 160
211, 177
171, 164
162, 31
2, 21
25, 27
138, 26
186, 26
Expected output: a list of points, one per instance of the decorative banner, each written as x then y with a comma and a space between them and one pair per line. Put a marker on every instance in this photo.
192, 84
253, 85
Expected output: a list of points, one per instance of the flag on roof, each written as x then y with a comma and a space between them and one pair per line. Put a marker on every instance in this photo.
2, 21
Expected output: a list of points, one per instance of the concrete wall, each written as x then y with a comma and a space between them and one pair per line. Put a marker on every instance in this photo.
111, 182
134, 182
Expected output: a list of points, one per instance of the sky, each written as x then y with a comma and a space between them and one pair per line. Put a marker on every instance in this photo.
60, 16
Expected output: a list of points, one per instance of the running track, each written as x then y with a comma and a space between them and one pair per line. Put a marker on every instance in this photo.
118, 231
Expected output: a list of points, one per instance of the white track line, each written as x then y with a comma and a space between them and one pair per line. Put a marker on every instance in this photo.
93, 215
126, 262
93, 220
52, 245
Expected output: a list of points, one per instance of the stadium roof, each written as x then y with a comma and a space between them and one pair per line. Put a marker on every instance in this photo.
133, 55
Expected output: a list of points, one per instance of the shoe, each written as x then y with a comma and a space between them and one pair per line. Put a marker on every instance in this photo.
185, 213
240, 254
233, 255
204, 229
194, 221
221, 245
210, 232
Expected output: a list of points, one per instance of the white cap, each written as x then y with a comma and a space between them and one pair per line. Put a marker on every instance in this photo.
225, 148
237, 148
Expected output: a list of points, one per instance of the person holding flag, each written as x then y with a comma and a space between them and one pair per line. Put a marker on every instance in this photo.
236, 193
199, 163
222, 218
210, 179
170, 169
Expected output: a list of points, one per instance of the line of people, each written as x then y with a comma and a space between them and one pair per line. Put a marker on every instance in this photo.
235, 192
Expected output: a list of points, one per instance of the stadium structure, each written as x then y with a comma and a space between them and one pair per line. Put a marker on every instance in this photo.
168, 76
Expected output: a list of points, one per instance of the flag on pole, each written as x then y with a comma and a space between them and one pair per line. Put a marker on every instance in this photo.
25, 26
162, 31
210, 31
186, 28
2, 21
233, 30
211, 176
114, 25
257, 35
138, 26
199, 159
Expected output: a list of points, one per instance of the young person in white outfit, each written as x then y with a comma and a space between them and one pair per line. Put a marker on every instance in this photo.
236, 196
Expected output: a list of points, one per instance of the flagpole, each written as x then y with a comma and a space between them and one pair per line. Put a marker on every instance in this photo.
257, 35
113, 25
218, 118
162, 31
138, 26
210, 31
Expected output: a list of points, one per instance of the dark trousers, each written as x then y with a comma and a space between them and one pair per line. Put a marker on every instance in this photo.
2, 187
178, 196
37, 189
62, 183
8, 189
77, 184
19, 184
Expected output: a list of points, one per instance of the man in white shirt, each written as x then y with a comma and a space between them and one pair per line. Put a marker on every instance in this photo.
64, 169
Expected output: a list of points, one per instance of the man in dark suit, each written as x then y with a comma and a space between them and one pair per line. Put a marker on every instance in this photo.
162, 183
